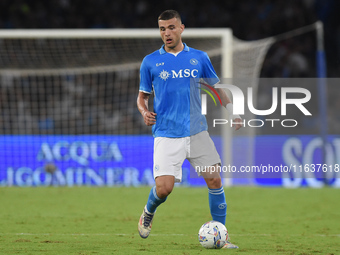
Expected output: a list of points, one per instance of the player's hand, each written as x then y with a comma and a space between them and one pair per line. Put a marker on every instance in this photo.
237, 123
149, 118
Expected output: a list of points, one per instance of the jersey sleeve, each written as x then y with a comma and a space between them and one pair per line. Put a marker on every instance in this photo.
145, 84
209, 74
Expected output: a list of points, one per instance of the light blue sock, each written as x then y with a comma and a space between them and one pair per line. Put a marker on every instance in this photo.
218, 206
154, 201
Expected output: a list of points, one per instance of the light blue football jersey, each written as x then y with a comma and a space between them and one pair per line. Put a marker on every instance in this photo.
174, 79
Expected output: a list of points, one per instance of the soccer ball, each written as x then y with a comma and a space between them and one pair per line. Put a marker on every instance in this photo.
213, 235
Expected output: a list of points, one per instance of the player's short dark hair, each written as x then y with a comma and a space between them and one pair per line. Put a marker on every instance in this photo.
169, 14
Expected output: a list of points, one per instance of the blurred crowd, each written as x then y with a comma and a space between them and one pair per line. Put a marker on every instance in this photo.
249, 19
97, 103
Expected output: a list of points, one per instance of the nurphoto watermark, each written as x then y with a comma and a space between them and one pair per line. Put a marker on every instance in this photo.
295, 96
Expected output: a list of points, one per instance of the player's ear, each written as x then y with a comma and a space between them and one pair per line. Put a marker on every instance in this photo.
182, 27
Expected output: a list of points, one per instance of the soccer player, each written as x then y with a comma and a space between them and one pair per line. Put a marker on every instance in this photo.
179, 128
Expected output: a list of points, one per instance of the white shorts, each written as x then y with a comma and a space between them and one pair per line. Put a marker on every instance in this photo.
170, 153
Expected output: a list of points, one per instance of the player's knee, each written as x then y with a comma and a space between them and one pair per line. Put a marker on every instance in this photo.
214, 183
164, 185
163, 191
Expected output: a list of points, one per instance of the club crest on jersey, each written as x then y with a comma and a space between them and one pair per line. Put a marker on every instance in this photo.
164, 75
193, 61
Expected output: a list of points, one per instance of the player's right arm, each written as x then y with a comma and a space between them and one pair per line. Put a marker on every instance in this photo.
145, 90
142, 104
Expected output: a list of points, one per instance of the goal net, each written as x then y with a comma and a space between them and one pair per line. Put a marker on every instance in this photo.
79, 82
68, 103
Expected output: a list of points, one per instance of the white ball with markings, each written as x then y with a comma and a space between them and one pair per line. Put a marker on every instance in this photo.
213, 235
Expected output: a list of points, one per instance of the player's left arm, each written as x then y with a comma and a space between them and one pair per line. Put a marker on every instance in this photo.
227, 103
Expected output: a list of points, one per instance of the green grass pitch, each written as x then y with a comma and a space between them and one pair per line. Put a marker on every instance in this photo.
88, 220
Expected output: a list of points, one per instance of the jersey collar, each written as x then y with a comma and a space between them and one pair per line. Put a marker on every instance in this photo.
163, 51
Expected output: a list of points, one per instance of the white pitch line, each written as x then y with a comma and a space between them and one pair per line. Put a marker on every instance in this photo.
315, 235
82, 234
134, 234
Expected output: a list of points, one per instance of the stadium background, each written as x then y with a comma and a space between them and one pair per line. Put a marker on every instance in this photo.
42, 134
